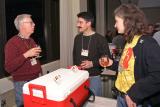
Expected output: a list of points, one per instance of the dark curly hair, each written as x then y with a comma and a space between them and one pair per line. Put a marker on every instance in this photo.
135, 22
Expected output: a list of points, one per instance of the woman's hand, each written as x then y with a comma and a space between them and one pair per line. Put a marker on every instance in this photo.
129, 101
110, 62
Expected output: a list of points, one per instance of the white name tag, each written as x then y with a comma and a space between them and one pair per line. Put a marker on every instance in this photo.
33, 61
84, 52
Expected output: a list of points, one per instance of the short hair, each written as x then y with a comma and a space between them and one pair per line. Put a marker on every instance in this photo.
88, 17
135, 22
18, 20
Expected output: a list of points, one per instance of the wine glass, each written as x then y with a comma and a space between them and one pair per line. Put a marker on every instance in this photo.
38, 46
104, 61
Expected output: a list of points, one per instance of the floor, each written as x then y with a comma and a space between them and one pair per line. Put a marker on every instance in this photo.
9, 99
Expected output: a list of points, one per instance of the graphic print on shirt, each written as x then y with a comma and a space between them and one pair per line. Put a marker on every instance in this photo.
125, 78
127, 58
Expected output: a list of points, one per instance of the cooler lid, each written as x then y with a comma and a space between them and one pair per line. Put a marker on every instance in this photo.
56, 85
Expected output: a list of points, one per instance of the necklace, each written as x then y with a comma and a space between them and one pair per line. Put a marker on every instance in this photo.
25, 41
88, 43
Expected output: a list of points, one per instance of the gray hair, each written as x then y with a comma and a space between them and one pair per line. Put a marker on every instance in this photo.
18, 20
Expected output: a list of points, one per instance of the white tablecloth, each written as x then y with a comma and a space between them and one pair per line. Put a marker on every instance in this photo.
109, 72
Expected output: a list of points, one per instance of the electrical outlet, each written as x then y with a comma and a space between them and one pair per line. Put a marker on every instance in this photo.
3, 103
48, 72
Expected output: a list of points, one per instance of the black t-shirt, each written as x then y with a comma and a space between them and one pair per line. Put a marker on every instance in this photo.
96, 45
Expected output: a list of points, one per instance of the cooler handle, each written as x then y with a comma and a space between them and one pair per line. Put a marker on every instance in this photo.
91, 94
73, 102
40, 88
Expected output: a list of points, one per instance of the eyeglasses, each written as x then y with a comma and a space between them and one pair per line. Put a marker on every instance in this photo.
31, 22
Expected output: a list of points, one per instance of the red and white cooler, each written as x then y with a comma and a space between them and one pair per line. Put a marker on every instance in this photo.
60, 88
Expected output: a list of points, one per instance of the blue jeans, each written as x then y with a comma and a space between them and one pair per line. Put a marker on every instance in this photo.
96, 85
122, 103
19, 92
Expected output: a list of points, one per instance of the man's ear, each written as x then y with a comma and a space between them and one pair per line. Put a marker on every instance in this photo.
89, 23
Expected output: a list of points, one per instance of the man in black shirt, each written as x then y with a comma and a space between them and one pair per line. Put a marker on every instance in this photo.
89, 46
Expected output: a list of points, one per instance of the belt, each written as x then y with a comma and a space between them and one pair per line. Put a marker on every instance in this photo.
116, 92
122, 94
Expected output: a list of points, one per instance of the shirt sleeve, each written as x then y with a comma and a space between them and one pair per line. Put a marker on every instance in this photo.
12, 58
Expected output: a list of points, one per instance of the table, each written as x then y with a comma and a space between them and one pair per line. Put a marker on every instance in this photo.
108, 78
108, 72
101, 102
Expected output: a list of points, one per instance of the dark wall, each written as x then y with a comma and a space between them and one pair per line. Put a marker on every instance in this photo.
91, 7
2, 38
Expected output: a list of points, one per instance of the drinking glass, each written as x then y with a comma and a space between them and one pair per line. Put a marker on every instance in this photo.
104, 61
38, 46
